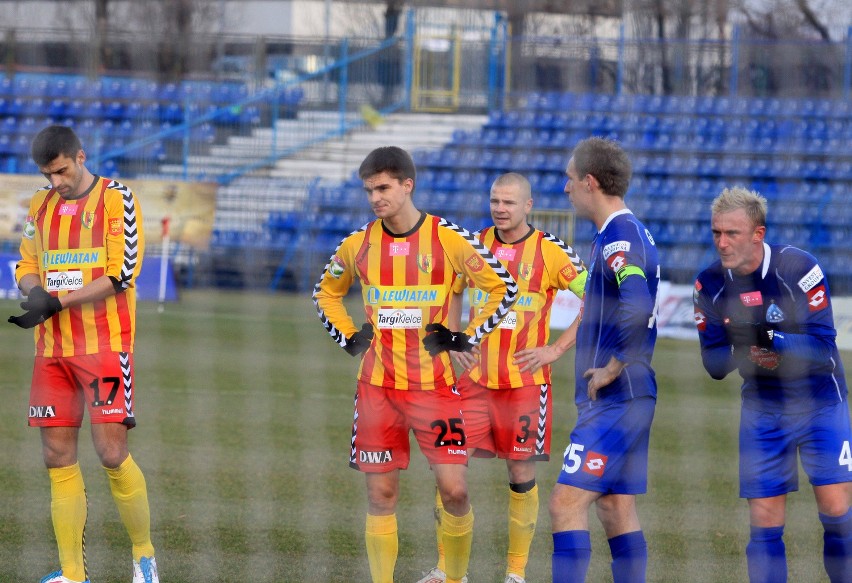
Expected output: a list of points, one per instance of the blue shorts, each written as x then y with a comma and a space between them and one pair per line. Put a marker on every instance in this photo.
769, 443
609, 448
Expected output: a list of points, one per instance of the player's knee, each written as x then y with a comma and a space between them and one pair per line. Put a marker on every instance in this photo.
562, 505
111, 455
455, 499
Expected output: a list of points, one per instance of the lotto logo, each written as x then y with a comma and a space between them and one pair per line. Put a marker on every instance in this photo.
595, 464
616, 261
817, 299
700, 321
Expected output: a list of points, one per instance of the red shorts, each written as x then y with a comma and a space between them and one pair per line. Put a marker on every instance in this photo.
63, 387
383, 418
509, 423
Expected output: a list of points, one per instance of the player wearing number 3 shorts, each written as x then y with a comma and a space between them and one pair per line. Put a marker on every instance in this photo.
765, 311
606, 463
406, 261
506, 389
81, 251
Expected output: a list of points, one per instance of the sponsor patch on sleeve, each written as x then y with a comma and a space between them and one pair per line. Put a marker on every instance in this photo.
29, 228
569, 272
336, 267
616, 261
115, 226
817, 299
700, 320
475, 262
615, 247
811, 278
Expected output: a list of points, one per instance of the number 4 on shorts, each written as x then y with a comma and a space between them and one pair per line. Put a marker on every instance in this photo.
846, 456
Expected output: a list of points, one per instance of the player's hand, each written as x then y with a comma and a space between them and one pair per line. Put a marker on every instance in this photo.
27, 320
598, 378
439, 339
39, 306
747, 334
465, 360
532, 359
360, 341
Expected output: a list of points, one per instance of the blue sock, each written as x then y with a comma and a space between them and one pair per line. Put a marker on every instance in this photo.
767, 557
629, 557
837, 549
572, 552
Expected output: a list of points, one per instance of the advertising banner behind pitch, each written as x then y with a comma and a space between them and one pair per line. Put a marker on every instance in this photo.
189, 206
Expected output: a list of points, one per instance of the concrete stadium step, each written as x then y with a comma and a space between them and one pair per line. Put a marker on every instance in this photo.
338, 159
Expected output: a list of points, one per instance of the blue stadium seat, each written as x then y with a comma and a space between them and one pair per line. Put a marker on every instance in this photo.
114, 110
168, 93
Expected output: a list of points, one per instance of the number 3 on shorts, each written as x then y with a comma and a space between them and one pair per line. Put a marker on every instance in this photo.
572, 458
846, 456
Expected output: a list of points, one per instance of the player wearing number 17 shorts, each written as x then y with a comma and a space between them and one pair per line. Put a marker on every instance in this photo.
406, 261
765, 311
81, 251
606, 463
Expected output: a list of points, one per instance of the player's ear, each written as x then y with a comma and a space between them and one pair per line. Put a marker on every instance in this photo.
759, 234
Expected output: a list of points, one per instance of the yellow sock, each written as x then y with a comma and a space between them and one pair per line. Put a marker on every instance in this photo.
439, 533
131, 497
523, 515
68, 510
458, 536
382, 546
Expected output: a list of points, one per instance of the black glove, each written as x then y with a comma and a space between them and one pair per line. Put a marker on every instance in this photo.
439, 338
40, 306
360, 341
746, 334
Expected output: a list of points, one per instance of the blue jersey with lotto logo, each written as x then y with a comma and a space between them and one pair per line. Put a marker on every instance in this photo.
788, 293
619, 309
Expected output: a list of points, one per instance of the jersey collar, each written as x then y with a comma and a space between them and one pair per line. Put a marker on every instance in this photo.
612, 216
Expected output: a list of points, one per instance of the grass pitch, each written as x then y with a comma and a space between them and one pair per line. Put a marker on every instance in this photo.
244, 407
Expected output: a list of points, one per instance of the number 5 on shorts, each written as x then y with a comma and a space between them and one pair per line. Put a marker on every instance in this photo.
572, 457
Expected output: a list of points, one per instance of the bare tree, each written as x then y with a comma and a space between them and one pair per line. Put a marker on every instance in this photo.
779, 19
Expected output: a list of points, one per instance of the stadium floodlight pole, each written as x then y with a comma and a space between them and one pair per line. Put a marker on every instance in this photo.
164, 266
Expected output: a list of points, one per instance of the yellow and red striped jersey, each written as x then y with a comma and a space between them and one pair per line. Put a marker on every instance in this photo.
406, 283
69, 243
541, 264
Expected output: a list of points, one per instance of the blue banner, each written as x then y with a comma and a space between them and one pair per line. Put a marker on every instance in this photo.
147, 284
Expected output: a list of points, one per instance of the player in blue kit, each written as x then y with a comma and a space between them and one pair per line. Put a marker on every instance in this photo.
606, 463
765, 311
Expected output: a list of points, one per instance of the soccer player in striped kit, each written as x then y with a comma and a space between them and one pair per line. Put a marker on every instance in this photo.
407, 261
606, 464
506, 388
81, 249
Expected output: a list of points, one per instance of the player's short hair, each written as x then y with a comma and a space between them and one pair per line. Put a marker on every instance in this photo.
52, 142
606, 161
393, 160
738, 197
514, 179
